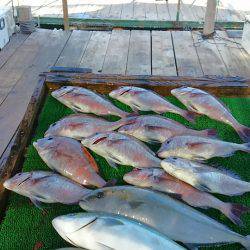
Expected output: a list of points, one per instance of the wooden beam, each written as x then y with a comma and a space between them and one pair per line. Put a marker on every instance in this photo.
208, 28
65, 14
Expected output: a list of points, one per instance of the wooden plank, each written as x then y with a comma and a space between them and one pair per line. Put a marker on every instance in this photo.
95, 52
117, 52
13, 108
128, 10
199, 13
163, 61
12, 71
186, 56
115, 11
172, 9
139, 11
139, 56
187, 13
232, 56
74, 49
104, 12
209, 56
162, 11
16, 40
150, 11
104, 83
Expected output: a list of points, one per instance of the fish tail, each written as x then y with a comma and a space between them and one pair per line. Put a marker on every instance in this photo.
246, 242
244, 133
246, 147
233, 211
189, 115
209, 133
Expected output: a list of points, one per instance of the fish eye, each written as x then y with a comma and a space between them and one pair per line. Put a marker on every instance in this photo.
64, 87
53, 124
50, 138
174, 158
168, 142
100, 195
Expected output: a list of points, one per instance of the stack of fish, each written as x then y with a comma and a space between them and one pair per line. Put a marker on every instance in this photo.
149, 214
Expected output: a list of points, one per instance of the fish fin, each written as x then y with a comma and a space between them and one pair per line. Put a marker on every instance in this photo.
247, 147
244, 133
202, 187
112, 164
228, 172
175, 196
135, 204
110, 183
91, 160
110, 222
104, 247
75, 108
189, 116
192, 108
191, 246
246, 242
194, 145
211, 132
233, 211
37, 203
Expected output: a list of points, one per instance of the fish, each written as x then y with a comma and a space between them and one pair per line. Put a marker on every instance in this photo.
69, 158
147, 100
204, 177
47, 187
169, 216
199, 148
86, 101
157, 129
79, 126
107, 231
121, 149
203, 103
159, 180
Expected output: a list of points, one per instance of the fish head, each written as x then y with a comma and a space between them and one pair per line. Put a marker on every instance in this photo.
95, 140
167, 147
53, 130
127, 129
45, 144
18, 183
119, 92
70, 223
143, 177
181, 92
59, 93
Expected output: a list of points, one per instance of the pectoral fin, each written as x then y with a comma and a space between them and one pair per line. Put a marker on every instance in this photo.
112, 164
37, 203
202, 187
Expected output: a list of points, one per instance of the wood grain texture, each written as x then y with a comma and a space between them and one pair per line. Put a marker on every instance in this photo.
209, 56
128, 11
186, 56
116, 57
163, 61
95, 52
139, 55
74, 49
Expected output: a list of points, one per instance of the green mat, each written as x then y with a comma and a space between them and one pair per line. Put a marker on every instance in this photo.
26, 227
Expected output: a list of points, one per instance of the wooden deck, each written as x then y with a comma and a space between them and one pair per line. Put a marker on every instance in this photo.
228, 10
170, 53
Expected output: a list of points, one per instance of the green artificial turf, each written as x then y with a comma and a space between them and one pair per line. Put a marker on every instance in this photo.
27, 227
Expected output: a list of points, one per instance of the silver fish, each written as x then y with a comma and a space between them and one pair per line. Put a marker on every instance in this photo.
176, 220
199, 148
68, 157
121, 149
155, 128
201, 102
147, 100
85, 101
203, 177
48, 187
159, 180
106, 231
79, 126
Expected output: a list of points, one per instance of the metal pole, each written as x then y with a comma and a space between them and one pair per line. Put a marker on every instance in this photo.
209, 23
178, 11
65, 14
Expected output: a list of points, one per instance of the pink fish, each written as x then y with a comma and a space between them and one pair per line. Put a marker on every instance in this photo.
121, 149
79, 126
147, 100
201, 102
155, 128
68, 157
85, 101
158, 179
48, 187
